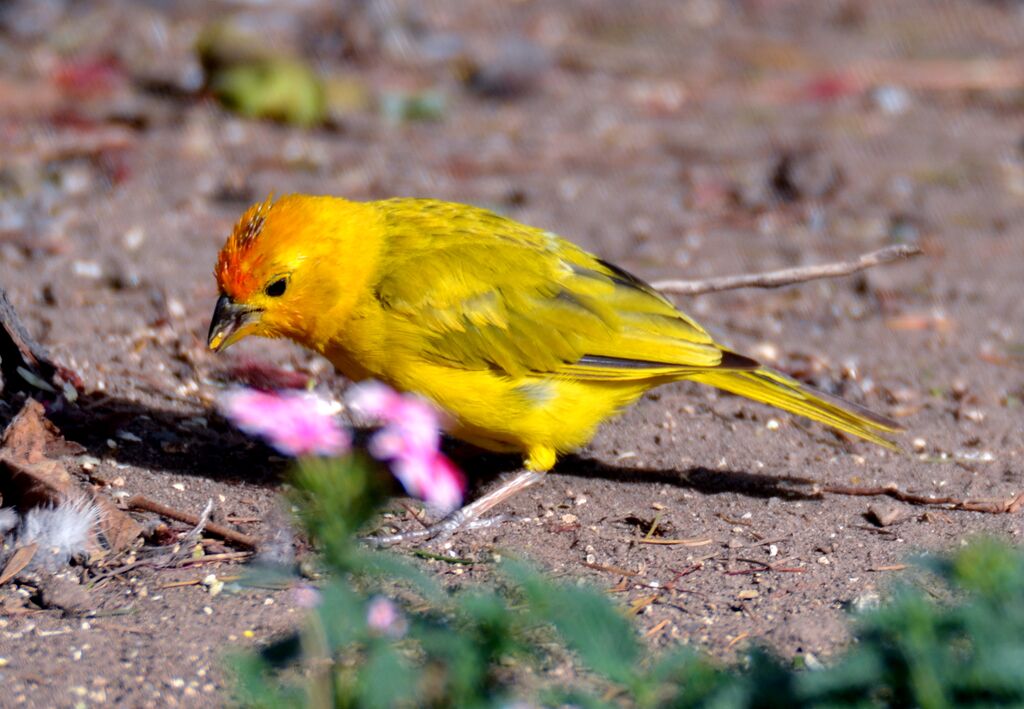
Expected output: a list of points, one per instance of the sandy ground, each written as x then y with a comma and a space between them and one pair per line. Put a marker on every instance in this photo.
678, 139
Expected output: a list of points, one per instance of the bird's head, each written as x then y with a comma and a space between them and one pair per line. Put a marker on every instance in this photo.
293, 266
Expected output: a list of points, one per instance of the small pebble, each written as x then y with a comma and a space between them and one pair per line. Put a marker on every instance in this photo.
133, 238
892, 100
87, 269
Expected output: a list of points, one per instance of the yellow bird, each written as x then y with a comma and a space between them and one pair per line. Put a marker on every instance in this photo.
526, 340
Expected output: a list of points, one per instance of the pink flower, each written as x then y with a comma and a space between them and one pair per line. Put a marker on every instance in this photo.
415, 419
432, 478
295, 423
410, 440
384, 618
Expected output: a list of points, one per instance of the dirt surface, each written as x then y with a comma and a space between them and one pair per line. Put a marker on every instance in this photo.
678, 139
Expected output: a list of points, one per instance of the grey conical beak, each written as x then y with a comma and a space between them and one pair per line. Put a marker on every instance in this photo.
230, 323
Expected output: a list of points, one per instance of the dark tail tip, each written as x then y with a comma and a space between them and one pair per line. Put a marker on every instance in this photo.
731, 360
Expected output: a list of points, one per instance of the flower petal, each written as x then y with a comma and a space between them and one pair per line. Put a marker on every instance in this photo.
292, 422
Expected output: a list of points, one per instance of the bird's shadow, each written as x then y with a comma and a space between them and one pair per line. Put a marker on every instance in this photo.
203, 444
484, 468
706, 481
198, 443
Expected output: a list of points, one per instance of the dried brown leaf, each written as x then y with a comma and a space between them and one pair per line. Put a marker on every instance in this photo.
32, 477
21, 558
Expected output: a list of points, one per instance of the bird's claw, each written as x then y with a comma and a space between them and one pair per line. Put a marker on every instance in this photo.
437, 533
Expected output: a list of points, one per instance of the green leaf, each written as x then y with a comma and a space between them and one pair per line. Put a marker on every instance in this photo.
341, 615
385, 680
391, 567
255, 684
586, 619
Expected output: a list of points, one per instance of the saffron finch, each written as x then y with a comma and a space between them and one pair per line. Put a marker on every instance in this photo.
526, 340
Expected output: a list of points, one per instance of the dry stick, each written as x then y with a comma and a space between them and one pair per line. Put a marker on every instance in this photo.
788, 276
214, 559
140, 502
995, 507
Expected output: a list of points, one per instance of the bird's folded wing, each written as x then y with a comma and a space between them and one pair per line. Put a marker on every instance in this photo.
476, 291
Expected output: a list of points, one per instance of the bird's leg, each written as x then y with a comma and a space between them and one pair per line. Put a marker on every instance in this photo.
467, 517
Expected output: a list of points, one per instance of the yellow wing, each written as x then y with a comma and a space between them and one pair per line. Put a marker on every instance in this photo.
473, 290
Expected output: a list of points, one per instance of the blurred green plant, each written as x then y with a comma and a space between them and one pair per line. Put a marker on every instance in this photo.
261, 80
496, 646
253, 79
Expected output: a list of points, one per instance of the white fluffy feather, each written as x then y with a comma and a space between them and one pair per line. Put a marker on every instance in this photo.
62, 531
8, 520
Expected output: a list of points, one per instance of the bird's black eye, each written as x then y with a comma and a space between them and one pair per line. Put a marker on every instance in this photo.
277, 288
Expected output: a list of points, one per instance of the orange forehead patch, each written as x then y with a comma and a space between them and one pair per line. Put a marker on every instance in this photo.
238, 261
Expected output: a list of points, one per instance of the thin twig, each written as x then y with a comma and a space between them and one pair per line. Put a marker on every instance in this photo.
890, 567
214, 559
617, 570
184, 548
1010, 506
140, 502
742, 636
673, 542
194, 582
656, 629
789, 276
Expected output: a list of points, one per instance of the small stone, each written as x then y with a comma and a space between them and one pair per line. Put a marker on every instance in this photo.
975, 415
133, 238
884, 515
213, 584
869, 600
175, 309
824, 561
812, 662
892, 100
748, 594
87, 269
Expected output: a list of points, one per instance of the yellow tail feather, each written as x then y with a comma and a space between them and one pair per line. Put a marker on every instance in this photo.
777, 389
